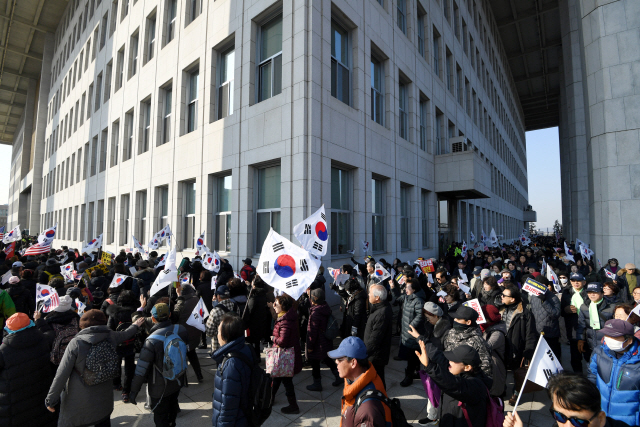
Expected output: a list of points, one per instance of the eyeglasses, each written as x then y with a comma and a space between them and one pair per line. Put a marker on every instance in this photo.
576, 422
505, 296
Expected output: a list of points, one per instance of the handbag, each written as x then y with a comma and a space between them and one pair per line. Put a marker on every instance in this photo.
431, 388
518, 378
280, 361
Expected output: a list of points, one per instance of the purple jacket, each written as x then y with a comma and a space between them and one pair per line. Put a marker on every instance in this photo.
286, 333
317, 344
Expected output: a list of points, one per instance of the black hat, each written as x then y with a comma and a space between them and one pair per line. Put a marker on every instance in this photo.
577, 277
247, 261
464, 354
594, 287
464, 313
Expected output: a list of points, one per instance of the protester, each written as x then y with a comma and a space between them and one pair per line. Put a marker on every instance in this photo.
59, 326
317, 344
119, 320
627, 278
573, 297
223, 304
377, 334
25, 375
257, 314
546, 312
494, 332
490, 292
94, 346
187, 301
248, 271
351, 360
355, 315
7, 308
592, 316
412, 303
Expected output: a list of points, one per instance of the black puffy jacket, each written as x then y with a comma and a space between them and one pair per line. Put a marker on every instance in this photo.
22, 300
412, 316
25, 378
355, 315
257, 315
377, 333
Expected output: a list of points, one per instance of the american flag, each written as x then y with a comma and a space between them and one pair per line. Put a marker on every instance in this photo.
38, 249
50, 302
2, 232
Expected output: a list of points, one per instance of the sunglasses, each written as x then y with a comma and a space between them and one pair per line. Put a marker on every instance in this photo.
576, 422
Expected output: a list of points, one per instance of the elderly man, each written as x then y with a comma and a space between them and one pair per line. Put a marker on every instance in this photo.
573, 297
377, 333
591, 318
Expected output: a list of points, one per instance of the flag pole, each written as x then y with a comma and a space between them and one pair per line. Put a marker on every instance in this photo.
524, 383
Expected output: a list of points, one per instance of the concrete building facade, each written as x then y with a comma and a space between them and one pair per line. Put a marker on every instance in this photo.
401, 117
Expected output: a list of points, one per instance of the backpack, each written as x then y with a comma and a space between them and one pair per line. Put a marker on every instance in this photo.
64, 335
508, 351
174, 361
495, 412
260, 385
102, 364
122, 326
333, 328
398, 419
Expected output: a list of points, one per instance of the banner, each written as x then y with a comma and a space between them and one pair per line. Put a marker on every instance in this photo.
475, 304
106, 257
426, 265
10, 250
313, 233
533, 287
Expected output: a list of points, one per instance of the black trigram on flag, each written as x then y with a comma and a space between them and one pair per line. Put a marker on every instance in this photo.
292, 283
303, 265
548, 373
265, 267
324, 218
278, 247
550, 354
307, 229
317, 246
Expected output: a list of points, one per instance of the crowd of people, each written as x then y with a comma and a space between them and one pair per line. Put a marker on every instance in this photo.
59, 366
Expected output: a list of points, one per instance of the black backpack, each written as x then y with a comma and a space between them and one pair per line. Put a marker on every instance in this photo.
398, 419
260, 386
508, 351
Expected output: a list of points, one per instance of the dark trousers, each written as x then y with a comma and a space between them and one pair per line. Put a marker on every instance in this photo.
315, 366
104, 423
289, 390
413, 362
379, 366
576, 356
129, 370
195, 362
164, 415
554, 345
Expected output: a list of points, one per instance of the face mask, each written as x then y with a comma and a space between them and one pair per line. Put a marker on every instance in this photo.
460, 326
564, 281
617, 346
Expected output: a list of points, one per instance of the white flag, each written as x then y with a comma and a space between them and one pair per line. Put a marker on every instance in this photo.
198, 316
165, 233
313, 234
568, 253
365, 247
551, 276
67, 271
211, 261
483, 237
166, 276
493, 239
185, 279
93, 245
200, 244
12, 236
118, 279
46, 237
286, 266
44, 291
472, 237
380, 272
463, 250
80, 305
162, 261
6, 276
136, 245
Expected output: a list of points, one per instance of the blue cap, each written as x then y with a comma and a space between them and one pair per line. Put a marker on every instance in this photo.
594, 287
352, 347
223, 290
577, 277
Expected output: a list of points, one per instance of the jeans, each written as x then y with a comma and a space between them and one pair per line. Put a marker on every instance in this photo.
166, 412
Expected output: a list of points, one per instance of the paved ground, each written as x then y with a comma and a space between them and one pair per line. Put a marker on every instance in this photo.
316, 409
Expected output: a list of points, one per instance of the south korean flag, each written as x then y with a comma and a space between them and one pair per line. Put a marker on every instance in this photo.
211, 261
285, 266
312, 233
198, 316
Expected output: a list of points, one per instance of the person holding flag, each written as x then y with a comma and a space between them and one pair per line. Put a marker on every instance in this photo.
573, 297
187, 302
412, 302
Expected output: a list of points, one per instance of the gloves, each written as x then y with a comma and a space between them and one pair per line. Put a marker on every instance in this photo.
581, 346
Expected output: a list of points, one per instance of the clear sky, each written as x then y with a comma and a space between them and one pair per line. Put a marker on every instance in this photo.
543, 169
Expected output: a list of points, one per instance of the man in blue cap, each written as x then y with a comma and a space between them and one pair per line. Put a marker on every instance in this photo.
591, 318
573, 297
360, 378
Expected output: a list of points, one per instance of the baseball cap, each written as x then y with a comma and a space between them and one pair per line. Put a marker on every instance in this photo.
464, 313
223, 290
160, 311
577, 277
477, 271
617, 328
247, 261
16, 264
432, 308
485, 273
594, 287
463, 354
352, 347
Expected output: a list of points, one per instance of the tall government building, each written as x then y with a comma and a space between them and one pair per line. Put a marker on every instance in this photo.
405, 118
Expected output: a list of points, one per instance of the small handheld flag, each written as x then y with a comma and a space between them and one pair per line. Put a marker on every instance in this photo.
198, 316
313, 233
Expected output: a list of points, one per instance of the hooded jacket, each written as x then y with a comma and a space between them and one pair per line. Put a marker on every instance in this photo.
25, 378
435, 333
146, 276
317, 344
257, 315
618, 380
412, 316
22, 300
7, 308
377, 333
82, 404
546, 312
471, 337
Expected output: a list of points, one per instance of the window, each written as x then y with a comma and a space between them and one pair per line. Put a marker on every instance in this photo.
405, 238
100, 217
225, 85
103, 32
268, 203
162, 194
90, 221
127, 149
340, 73
377, 208
103, 149
114, 13
402, 15
145, 131
172, 6
89, 109
424, 111
120, 69
166, 116
436, 53
79, 165
111, 220
94, 155
192, 101
124, 219
107, 82
189, 213
420, 24
460, 86
73, 168
133, 55
449, 71
98, 91
402, 111
377, 94
270, 59
223, 214
340, 212
424, 207
83, 216
440, 145
141, 215
125, 9
151, 38
115, 136
75, 223
86, 161
194, 10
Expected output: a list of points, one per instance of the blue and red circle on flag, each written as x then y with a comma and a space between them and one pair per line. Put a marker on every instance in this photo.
201, 312
92, 242
119, 280
44, 292
200, 242
321, 231
379, 272
285, 266
50, 233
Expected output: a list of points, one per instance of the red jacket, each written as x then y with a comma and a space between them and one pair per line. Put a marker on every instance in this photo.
246, 272
286, 333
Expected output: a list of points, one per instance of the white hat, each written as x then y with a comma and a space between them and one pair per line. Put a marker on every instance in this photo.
484, 273
65, 304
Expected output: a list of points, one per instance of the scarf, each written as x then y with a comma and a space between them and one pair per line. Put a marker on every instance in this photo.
351, 391
282, 313
594, 316
631, 281
576, 299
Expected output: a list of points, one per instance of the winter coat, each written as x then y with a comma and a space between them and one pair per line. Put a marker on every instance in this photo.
82, 404
247, 272
618, 380
286, 334
496, 336
204, 291
372, 412
60, 318
257, 315
146, 276
471, 337
355, 315
546, 312
231, 392
584, 330
317, 343
466, 388
435, 333
99, 284
623, 283
476, 287
182, 311
377, 333
149, 367
521, 333
7, 308
25, 378
412, 316
121, 315
491, 297
23, 302
215, 316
